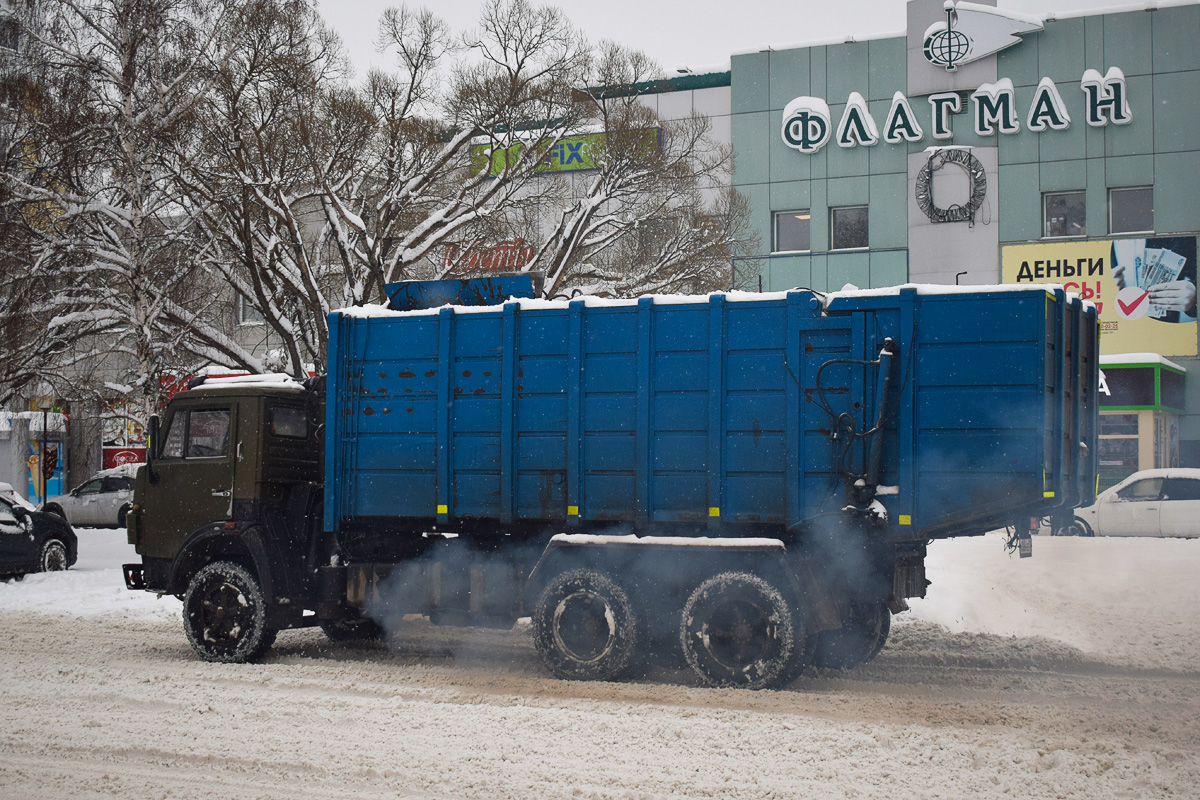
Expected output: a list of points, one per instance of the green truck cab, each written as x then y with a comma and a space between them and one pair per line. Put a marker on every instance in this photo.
234, 480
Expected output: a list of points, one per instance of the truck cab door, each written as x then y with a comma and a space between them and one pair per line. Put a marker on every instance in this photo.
195, 476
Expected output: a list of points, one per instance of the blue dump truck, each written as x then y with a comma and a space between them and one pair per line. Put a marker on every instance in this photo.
743, 482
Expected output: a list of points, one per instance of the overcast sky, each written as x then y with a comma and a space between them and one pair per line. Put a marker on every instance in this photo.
683, 34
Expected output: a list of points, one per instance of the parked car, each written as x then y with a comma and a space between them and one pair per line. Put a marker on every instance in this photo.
1153, 502
9, 493
33, 541
104, 500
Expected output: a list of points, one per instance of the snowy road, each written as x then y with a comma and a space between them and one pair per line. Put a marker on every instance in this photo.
108, 701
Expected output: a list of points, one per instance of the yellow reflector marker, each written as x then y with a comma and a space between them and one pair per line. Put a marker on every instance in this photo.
443, 509
572, 511
714, 512
905, 519
1047, 494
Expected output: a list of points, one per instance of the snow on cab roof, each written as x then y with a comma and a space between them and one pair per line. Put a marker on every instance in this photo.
733, 296
270, 380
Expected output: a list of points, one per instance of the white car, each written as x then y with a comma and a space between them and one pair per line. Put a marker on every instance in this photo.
1153, 502
104, 500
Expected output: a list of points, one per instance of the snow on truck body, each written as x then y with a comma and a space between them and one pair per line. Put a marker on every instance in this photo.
749, 478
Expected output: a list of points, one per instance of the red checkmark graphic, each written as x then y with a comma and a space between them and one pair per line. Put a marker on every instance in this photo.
1128, 308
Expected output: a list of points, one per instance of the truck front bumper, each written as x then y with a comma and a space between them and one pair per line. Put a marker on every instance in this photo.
135, 578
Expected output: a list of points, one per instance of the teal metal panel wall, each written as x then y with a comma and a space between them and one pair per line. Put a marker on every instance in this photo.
775, 177
1157, 51
1176, 205
827, 272
750, 136
1020, 202
1176, 32
749, 83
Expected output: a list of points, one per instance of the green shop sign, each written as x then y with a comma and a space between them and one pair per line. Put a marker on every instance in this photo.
575, 153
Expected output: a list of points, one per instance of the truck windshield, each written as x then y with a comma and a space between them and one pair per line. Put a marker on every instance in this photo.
197, 434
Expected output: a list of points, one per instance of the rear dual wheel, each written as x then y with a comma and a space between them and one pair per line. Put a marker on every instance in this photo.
738, 630
864, 632
356, 629
586, 627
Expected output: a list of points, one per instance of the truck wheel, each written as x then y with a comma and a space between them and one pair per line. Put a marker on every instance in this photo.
358, 629
585, 627
225, 615
53, 557
739, 630
862, 635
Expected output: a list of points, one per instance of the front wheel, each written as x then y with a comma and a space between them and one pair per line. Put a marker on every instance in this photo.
738, 630
585, 627
53, 557
225, 614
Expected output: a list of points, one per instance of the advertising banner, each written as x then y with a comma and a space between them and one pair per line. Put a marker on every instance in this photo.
46, 470
569, 154
1144, 289
122, 437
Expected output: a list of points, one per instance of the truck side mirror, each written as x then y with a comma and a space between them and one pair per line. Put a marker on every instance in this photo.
152, 447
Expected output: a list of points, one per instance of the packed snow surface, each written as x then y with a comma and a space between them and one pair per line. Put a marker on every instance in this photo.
1069, 675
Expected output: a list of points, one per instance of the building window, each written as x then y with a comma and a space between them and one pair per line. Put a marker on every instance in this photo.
791, 231
10, 34
247, 313
848, 227
1064, 214
1131, 210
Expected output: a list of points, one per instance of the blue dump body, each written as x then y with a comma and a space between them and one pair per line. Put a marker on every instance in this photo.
717, 412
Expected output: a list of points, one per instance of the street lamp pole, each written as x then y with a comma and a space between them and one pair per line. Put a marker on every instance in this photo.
42, 460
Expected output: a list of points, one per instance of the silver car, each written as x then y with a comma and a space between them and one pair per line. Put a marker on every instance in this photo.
102, 501
1153, 502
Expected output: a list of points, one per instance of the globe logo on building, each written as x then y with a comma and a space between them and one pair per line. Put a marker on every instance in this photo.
946, 47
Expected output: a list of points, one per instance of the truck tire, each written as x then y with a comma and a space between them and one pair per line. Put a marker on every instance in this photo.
738, 630
863, 634
225, 614
358, 629
585, 627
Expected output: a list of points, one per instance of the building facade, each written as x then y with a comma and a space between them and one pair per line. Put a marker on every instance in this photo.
980, 146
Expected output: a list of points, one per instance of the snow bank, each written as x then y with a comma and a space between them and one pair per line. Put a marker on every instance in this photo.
94, 587
1126, 601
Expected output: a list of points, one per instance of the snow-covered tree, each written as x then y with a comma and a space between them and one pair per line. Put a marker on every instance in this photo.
656, 213
177, 155
275, 128
116, 269
454, 147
